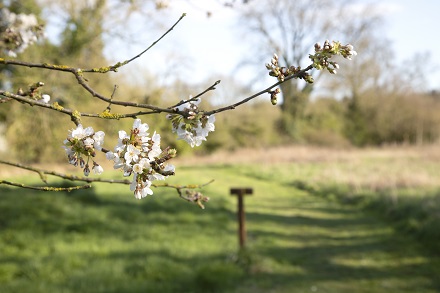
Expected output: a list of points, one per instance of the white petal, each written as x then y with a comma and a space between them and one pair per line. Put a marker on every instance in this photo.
122, 134
136, 123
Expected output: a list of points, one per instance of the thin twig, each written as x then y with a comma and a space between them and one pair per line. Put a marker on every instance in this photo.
111, 97
153, 44
78, 72
193, 196
104, 69
211, 88
189, 186
45, 188
64, 176
233, 106
40, 173
100, 180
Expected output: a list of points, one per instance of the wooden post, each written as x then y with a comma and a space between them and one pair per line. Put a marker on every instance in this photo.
241, 192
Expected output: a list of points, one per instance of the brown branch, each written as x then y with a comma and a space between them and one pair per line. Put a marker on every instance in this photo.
48, 66
95, 94
5, 100
33, 102
56, 107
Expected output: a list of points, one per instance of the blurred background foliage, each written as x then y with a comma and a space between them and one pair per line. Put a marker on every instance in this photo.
381, 103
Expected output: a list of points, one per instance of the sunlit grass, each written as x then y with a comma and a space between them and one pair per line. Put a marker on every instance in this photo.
299, 239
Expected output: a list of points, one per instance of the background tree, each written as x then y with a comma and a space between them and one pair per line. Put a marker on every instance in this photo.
290, 28
81, 44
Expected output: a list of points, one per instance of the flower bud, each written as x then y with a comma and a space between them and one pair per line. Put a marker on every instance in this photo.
97, 168
274, 97
86, 170
82, 163
317, 47
44, 98
73, 160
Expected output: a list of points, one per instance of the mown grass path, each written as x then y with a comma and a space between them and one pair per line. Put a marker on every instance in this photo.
309, 244
106, 241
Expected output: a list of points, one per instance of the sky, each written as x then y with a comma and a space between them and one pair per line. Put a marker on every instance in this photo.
213, 48
202, 48
413, 27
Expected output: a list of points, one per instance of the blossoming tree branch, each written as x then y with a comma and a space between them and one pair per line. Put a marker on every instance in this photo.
138, 152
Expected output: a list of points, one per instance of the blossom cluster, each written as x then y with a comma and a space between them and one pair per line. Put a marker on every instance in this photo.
192, 125
281, 72
321, 58
17, 31
138, 154
81, 146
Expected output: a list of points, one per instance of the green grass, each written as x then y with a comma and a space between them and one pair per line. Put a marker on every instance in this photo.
386, 187
103, 240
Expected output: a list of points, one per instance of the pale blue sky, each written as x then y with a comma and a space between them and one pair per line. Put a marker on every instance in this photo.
413, 26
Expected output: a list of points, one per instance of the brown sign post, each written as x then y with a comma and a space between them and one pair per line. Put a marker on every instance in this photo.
240, 193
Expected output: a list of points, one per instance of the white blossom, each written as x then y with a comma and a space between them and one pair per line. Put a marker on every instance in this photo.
142, 128
155, 148
141, 188
81, 133
82, 143
23, 29
195, 127
88, 141
141, 156
132, 154
137, 168
99, 140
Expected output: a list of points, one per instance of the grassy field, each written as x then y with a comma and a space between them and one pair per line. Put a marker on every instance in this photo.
318, 221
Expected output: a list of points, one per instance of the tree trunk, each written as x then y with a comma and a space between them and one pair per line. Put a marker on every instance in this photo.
293, 108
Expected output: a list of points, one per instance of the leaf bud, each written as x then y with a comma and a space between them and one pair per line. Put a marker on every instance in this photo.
172, 152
